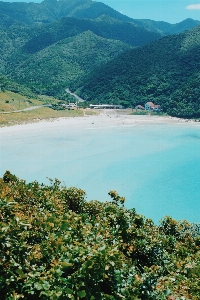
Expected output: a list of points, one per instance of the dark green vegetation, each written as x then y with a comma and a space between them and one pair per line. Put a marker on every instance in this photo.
56, 245
166, 72
49, 11
8, 84
50, 46
51, 70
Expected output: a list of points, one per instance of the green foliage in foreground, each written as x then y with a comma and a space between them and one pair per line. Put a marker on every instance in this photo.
56, 245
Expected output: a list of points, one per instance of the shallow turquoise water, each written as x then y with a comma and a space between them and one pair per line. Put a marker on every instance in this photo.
156, 167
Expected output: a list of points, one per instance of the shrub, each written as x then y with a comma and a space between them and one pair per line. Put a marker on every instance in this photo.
56, 245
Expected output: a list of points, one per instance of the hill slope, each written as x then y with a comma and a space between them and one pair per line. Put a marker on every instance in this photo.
48, 58
166, 72
106, 27
9, 85
52, 69
12, 38
35, 38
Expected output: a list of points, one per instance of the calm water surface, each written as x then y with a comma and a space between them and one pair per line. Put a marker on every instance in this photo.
156, 166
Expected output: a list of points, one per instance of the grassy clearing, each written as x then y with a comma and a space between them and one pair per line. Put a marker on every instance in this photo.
11, 102
36, 115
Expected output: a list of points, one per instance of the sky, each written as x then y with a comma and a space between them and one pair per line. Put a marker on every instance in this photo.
172, 11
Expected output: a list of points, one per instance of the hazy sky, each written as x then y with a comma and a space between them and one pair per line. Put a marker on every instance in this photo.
172, 11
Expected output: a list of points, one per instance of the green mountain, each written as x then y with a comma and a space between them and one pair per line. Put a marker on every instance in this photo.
53, 68
105, 27
49, 11
166, 72
165, 28
127, 32
30, 55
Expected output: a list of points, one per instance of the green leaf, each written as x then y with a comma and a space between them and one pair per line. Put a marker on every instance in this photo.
82, 294
64, 226
69, 291
20, 273
167, 292
65, 264
38, 286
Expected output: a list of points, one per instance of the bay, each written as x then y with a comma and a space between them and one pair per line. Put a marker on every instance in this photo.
155, 165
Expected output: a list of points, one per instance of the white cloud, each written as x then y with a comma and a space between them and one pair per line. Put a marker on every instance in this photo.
193, 7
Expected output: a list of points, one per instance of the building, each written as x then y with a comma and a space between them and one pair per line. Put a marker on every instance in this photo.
157, 108
152, 107
70, 105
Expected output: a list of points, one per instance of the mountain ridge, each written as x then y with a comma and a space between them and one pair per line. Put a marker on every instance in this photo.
49, 11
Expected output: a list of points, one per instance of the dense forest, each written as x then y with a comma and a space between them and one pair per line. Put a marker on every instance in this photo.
165, 72
9, 85
52, 69
56, 245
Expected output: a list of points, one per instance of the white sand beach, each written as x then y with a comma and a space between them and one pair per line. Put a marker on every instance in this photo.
104, 118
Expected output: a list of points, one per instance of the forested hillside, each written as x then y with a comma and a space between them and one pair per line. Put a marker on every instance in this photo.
165, 72
12, 39
49, 11
50, 57
8, 84
51, 70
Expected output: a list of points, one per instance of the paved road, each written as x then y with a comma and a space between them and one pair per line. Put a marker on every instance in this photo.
77, 97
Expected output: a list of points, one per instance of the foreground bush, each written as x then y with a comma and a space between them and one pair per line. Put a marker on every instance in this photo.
55, 245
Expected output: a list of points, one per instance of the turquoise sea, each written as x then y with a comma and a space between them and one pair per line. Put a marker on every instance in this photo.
155, 166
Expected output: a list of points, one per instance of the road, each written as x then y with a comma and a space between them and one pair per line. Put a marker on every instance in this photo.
77, 97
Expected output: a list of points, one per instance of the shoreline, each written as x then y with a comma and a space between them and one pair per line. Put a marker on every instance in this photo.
104, 117
141, 157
